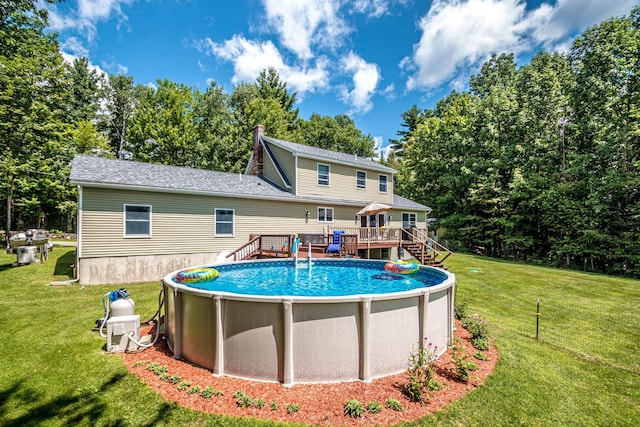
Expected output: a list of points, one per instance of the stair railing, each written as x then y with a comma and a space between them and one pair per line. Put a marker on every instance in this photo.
436, 248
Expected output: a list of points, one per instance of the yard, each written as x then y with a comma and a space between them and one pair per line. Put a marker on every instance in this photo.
583, 370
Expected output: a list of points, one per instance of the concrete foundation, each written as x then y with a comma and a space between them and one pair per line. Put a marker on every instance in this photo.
118, 270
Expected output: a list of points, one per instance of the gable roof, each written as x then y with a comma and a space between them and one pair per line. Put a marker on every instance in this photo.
92, 171
327, 155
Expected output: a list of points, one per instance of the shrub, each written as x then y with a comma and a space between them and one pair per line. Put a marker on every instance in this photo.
461, 361
184, 385
460, 310
157, 369
140, 363
209, 391
164, 376
292, 407
478, 328
174, 379
242, 400
259, 403
394, 405
374, 407
353, 408
274, 406
480, 355
421, 370
195, 389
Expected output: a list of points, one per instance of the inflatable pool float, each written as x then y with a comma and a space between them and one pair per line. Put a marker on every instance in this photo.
195, 275
402, 267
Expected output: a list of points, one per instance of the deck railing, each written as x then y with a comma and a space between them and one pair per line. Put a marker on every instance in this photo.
245, 251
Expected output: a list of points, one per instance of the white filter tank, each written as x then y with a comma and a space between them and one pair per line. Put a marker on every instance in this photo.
122, 307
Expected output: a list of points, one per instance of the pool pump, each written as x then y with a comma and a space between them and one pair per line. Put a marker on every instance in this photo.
122, 324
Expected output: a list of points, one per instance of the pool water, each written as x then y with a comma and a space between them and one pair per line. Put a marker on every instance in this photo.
321, 278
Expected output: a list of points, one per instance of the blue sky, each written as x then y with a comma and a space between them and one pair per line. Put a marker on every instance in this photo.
371, 59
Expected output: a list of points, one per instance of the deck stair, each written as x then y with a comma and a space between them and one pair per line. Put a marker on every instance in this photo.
427, 251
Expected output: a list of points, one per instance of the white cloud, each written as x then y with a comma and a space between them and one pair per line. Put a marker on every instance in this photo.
553, 26
249, 58
75, 47
303, 23
365, 80
86, 15
375, 8
459, 35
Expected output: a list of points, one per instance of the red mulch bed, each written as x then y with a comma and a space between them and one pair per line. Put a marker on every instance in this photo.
320, 404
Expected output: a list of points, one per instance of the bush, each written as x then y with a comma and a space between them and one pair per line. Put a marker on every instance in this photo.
460, 310
242, 400
259, 403
374, 407
478, 328
292, 407
209, 392
394, 405
353, 408
196, 389
274, 406
421, 370
184, 385
461, 361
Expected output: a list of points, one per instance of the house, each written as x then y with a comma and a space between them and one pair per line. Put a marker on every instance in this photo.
140, 221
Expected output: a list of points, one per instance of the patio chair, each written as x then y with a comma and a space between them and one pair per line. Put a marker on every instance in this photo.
334, 247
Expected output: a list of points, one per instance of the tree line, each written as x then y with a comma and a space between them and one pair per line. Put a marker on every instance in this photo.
540, 162
51, 110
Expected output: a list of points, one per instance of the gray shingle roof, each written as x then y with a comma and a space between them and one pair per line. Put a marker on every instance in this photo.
401, 202
320, 153
100, 171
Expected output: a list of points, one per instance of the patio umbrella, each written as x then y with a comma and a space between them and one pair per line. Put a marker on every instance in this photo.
373, 208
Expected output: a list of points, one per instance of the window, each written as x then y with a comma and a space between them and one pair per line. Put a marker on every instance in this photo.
224, 222
361, 179
137, 221
325, 214
409, 220
323, 174
382, 183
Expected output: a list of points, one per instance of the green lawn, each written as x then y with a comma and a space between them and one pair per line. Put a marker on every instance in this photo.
584, 370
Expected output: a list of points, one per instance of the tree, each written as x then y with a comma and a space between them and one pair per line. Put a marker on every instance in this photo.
410, 121
163, 126
121, 100
337, 133
86, 91
33, 157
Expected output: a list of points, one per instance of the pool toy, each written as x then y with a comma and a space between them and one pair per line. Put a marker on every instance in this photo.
195, 275
402, 267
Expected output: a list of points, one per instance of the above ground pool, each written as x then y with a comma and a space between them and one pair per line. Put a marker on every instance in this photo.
295, 321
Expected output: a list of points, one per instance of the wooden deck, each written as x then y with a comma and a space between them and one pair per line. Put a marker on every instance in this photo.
354, 243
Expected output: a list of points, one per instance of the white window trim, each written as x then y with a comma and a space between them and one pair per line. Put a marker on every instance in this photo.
387, 183
333, 214
124, 222
233, 223
365, 180
409, 214
318, 175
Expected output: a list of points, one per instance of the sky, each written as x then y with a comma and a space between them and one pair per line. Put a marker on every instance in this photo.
370, 59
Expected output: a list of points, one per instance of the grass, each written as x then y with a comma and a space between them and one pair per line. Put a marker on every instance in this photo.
584, 370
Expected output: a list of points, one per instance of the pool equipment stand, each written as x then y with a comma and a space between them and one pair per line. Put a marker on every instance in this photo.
123, 325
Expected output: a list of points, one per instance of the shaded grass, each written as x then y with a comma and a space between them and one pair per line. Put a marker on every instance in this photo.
54, 370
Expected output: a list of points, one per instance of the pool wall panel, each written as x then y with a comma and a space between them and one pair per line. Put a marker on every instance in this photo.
198, 330
253, 340
326, 342
394, 334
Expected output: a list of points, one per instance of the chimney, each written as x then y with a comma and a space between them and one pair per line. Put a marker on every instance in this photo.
257, 165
